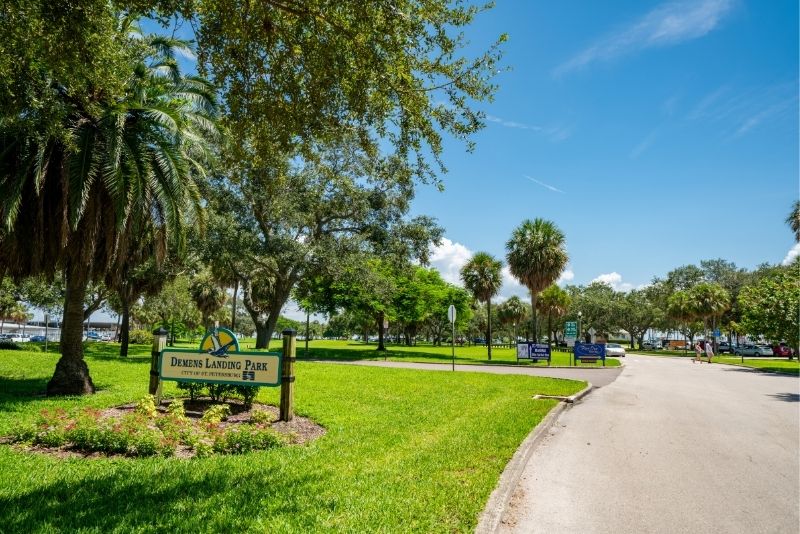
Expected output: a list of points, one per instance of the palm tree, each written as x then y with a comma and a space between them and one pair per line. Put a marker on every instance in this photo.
553, 301
537, 257
793, 220
682, 307
481, 276
711, 301
514, 312
207, 295
130, 157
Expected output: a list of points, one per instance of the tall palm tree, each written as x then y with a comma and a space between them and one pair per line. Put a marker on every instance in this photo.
537, 256
514, 312
711, 301
481, 276
682, 307
553, 302
793, 220
130, 157
207, 295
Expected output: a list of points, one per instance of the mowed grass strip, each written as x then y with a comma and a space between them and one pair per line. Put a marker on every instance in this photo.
424, 353
405, 450
784, 366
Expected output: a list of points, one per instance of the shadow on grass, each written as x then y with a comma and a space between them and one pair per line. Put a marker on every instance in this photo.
785, 397
17, 389
767, 371
178, 497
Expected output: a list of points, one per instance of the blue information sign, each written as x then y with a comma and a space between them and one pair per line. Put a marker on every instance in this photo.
590, 350
533, 351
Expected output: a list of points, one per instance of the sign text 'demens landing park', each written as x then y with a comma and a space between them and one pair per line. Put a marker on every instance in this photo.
219, 361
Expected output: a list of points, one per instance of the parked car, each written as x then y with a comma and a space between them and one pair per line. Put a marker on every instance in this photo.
753, 350
724, 346
615, 350
652, 344
39, 339
16, 337
783, 350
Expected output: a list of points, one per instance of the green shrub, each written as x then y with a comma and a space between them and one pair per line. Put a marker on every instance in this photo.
216, 414
7, 344
220, 392
261, 417
246, 440
147, 406
195, 389
175, 408
140, 337
248, 394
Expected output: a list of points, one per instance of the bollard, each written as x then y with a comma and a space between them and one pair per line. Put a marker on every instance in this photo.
287, 375
159, 342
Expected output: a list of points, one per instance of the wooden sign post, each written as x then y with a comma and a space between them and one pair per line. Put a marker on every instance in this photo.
287, 375
159, 342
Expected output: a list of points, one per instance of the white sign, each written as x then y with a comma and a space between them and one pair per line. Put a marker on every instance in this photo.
451, 314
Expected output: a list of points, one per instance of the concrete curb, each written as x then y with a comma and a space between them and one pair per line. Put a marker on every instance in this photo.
492, 514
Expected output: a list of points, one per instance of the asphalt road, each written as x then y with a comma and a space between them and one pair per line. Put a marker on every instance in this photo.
671, 447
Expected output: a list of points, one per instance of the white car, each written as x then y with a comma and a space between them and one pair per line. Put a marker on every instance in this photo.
18, 338
615, 350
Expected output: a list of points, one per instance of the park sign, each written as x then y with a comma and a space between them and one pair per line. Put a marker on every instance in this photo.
218, 360
528, 350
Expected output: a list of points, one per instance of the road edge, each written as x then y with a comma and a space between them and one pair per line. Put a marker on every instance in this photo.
489, 520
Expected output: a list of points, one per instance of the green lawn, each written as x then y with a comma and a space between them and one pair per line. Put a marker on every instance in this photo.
785, 366
355, 350
404, 450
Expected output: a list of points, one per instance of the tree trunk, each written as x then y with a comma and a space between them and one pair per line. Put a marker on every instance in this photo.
233, 305
381, 346
262, 335
125, 329
632, 342
534, 326
71, 376
489, 328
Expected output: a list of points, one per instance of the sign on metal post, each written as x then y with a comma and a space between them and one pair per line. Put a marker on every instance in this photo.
570, 330
451, 316
527, 350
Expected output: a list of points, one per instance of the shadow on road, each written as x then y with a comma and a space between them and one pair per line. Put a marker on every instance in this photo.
786, 397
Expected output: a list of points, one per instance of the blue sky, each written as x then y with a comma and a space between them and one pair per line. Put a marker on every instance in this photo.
653, 134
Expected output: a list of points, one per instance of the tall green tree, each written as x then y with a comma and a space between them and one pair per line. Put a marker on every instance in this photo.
76, 196
637, 314
207, 295
554, 303
482, 277
771, 306
711, 301
513, 312
537, 256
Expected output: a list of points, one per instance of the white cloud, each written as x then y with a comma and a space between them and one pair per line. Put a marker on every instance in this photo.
448, 258
667, 24
555, 133
547, 186
615, 281
792, 254
567, 276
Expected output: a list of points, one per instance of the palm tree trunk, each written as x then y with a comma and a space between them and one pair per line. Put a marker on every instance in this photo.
489, 328
534, 328
71, 376
124, 334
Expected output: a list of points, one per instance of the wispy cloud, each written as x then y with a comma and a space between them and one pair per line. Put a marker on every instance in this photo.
555, 133
668, 24
643, 145
548, 186
791, 255
738, 112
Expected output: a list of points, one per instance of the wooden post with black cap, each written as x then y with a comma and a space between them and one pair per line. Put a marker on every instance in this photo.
287, 375
159, 342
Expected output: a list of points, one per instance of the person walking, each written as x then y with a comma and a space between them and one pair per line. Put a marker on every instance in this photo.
698, 352
709, 351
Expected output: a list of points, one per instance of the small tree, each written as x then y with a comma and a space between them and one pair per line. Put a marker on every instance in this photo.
554, 303
481, 276
771, 307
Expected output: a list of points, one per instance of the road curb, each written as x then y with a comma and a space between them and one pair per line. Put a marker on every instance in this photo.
492, 514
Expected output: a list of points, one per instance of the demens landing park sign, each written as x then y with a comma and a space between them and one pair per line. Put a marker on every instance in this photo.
219, 361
